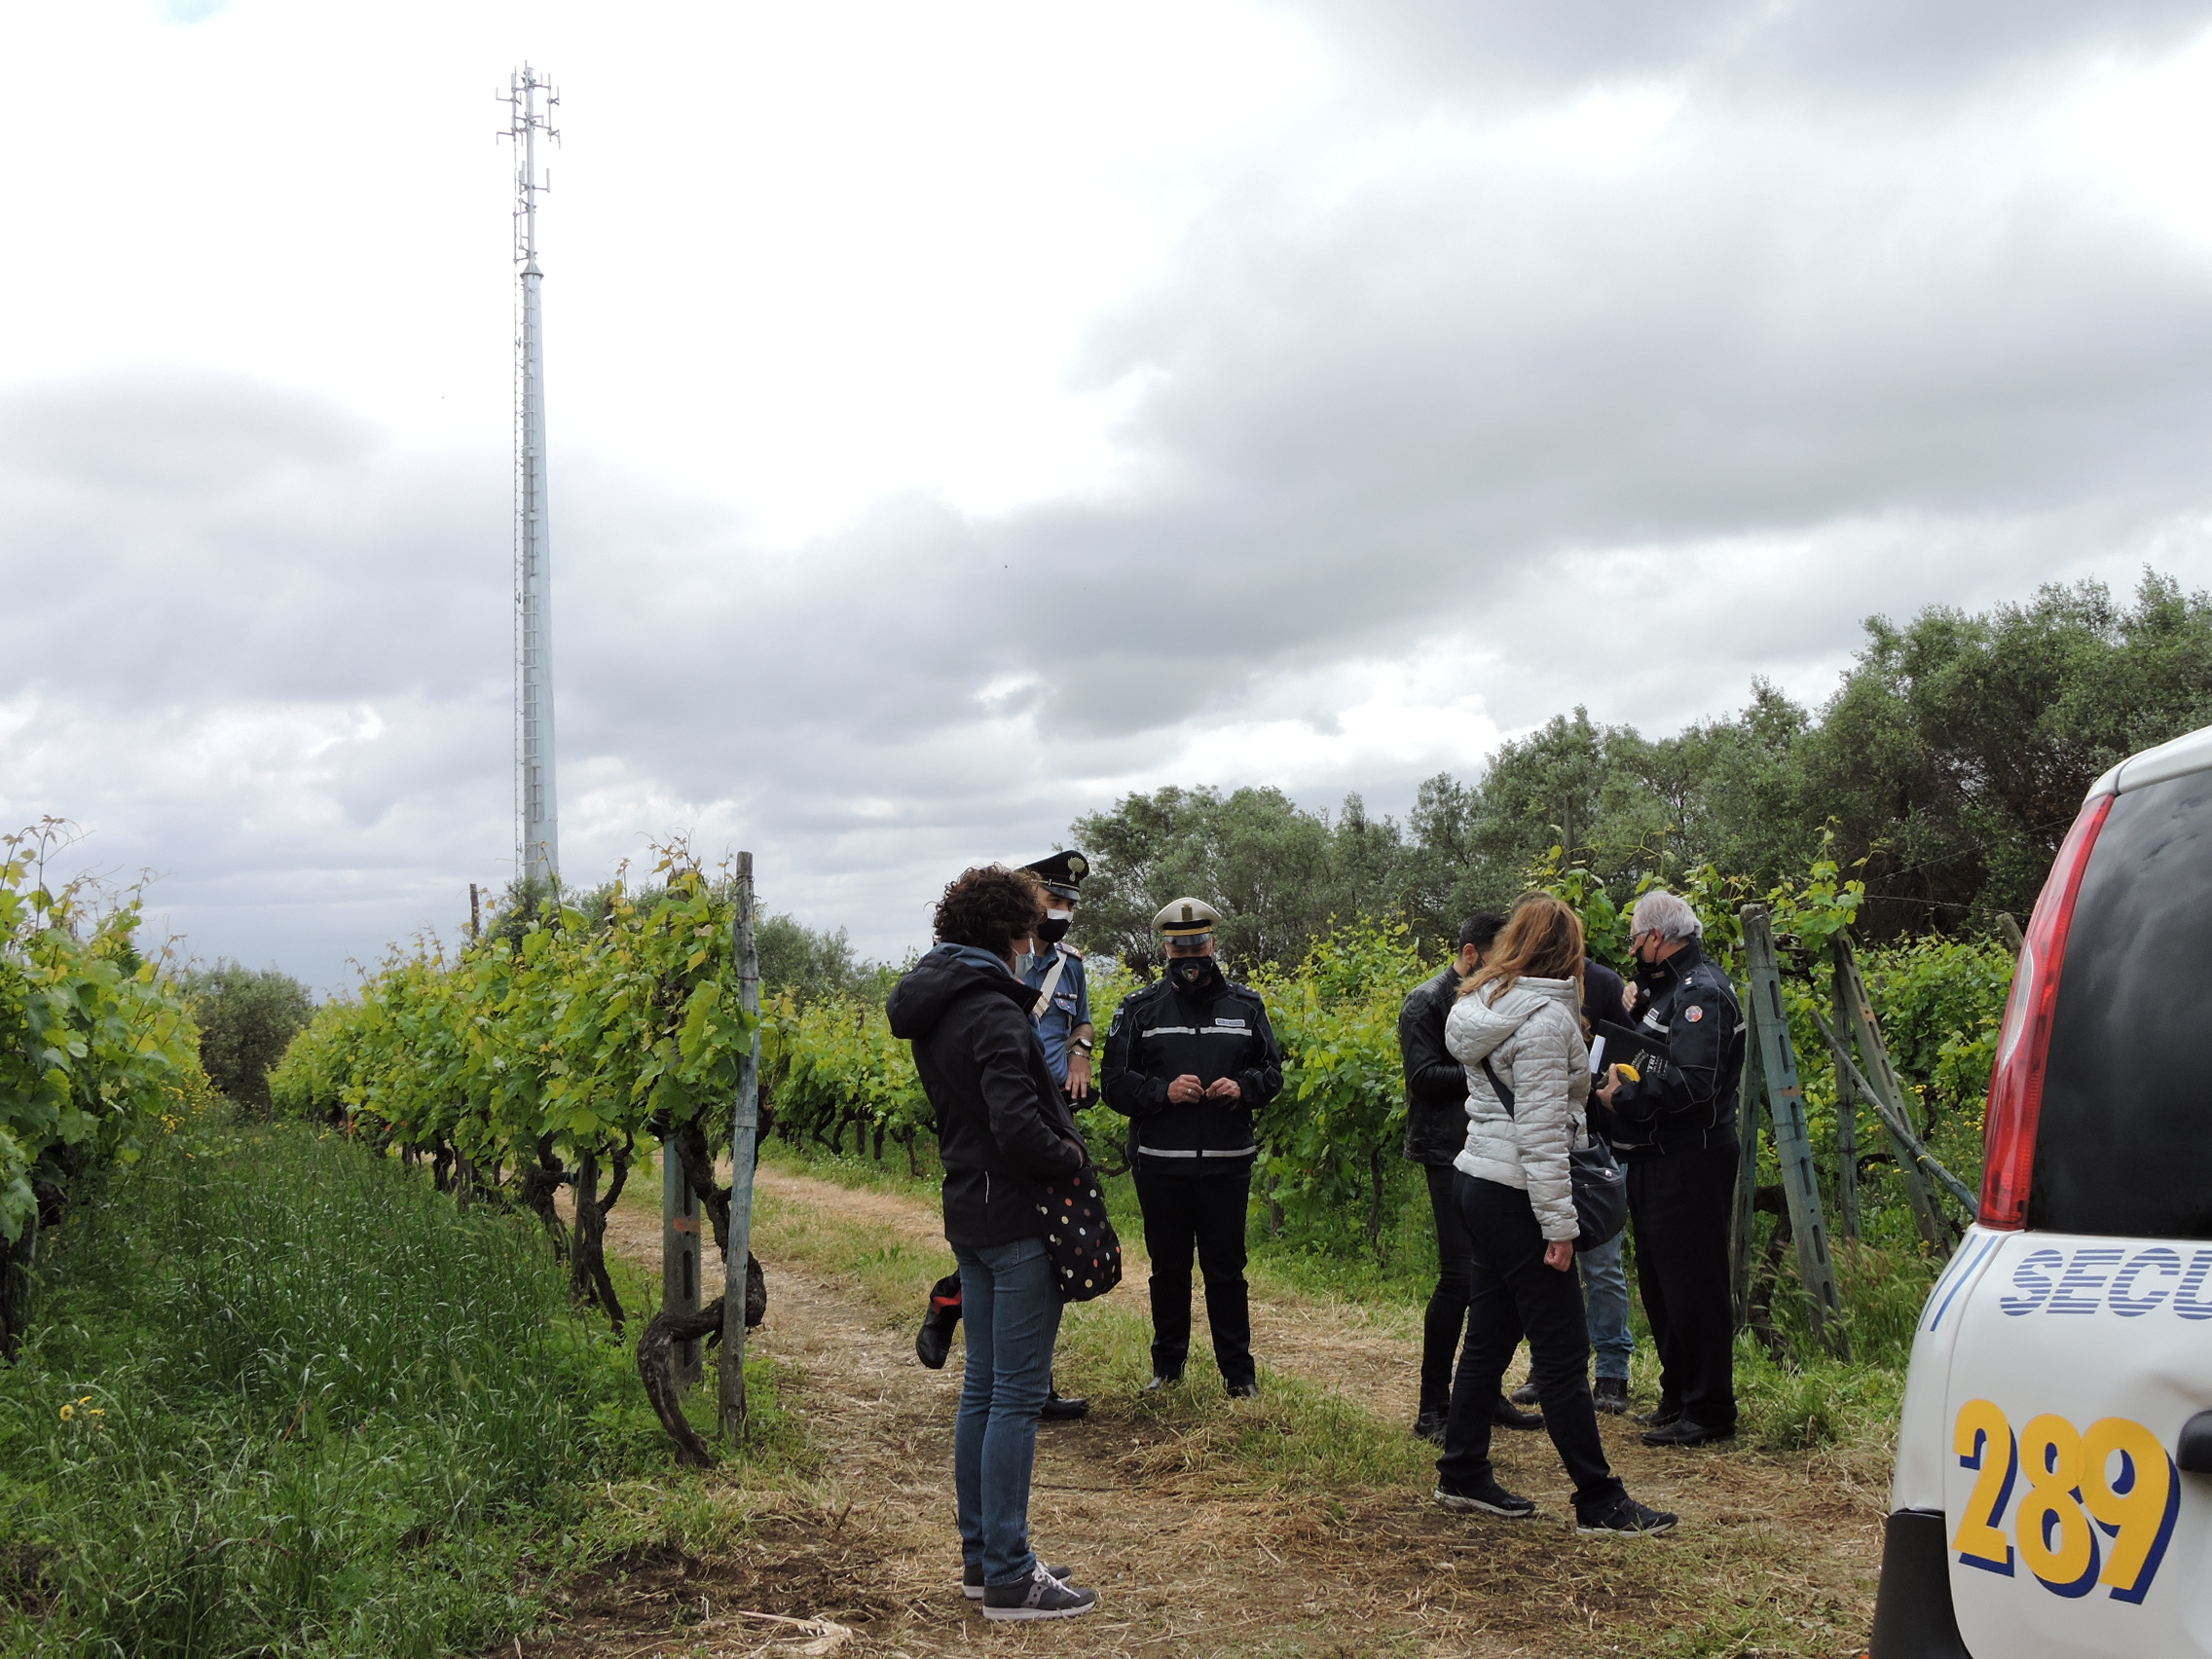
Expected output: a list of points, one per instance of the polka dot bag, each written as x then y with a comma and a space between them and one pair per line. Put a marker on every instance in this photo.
1080, 1241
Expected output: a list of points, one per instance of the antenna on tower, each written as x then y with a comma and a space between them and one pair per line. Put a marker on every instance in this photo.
537, 850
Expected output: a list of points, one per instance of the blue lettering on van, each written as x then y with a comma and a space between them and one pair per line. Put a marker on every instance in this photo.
2049, 1281
2162, 1263
2028, 1277
2187, 1303
2080, 1277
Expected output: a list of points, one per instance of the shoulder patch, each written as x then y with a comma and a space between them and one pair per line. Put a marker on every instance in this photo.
1693, 1013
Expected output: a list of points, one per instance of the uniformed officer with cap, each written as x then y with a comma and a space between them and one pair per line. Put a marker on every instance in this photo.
1190, 1061
1052, 968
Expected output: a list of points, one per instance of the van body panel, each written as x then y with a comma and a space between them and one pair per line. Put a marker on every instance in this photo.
2178, 758
1919, 1480
2075, 1361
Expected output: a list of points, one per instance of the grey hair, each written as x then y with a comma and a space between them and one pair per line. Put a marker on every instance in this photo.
1668, 913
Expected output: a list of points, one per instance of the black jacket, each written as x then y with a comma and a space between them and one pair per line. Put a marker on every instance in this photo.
1687, 1096
1436, 1084
1001, 1122
1602, 990
1160, 1035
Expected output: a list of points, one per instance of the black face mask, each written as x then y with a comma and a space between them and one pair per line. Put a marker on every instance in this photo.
1054, 927
1191, 973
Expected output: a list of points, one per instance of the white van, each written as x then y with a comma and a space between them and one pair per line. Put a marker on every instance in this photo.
2054, 1490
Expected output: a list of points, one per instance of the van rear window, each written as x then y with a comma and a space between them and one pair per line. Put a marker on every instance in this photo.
2124, 1144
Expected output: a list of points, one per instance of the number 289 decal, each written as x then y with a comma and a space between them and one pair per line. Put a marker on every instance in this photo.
2112, 1477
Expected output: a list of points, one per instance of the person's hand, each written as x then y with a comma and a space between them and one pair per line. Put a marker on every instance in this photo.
1186, 1091
1628, 996
1078, 1073
1559, 1254
1612, 1086
1224, 1088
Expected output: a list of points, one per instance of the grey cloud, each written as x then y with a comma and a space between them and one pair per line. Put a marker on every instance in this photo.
1881, 49
1785, 370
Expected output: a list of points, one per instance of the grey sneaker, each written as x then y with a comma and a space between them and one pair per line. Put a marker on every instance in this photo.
971, 1578
1492, 1499
1044, 1597
1625, 1517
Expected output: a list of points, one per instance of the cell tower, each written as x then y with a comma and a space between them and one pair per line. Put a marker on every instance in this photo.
537, 844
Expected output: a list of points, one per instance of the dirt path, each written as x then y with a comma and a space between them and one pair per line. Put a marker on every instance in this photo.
1181, 1567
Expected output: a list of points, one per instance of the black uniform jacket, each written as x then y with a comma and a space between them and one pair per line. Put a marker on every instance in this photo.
1160, 1035
1436, 1084
1688, 1096
1001, 1121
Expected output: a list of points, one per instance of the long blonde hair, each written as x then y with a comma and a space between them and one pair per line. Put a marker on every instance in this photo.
1542, 940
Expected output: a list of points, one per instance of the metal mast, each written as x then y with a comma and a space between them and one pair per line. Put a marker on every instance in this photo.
537, 849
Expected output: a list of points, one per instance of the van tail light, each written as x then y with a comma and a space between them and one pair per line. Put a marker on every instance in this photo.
2023, 1046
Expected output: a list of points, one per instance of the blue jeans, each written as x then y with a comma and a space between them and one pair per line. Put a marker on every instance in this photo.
1605, 1294
1012, 1311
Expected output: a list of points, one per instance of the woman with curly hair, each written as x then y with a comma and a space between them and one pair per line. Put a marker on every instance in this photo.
1517, 1028
1003, 1126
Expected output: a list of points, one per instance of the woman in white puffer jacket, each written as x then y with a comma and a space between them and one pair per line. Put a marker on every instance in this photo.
1518, 1023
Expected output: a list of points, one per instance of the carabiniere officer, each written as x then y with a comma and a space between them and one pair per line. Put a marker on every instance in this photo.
1189, 1062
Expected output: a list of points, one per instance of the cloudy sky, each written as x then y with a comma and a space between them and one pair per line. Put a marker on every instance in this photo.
965, 414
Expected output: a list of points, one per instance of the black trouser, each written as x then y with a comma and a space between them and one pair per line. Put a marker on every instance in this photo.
1205, 1212
1510, 1290
1680, 1203
1447, 1314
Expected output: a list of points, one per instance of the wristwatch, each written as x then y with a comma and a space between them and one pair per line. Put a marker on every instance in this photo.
1080, 1044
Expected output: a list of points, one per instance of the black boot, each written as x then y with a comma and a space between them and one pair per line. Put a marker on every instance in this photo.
1060, 1408
1506, 1414
934, 1341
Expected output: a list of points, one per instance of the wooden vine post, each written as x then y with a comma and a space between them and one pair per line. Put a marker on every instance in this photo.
1846, 1122
743, 1134
1881, 1078
1792, 1144
1740, 1230
679, 1257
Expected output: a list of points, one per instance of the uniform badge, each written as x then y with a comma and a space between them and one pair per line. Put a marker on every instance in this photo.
1693, 1013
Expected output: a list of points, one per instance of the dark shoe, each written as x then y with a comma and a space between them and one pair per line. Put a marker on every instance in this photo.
1506, 1415
1658, 1419
1429, 1425
1610, 1394
1528, 1394
1159, 1383
1625, 1517
935, 1340
1492, 1499
1043, 1596
1683, 1432
1243, 1391
1059, 1408
971, 1578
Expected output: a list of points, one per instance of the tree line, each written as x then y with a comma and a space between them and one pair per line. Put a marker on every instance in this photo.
1946, 765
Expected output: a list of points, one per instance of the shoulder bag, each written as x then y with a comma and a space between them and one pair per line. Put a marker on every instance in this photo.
1080, 1241
1601, 1188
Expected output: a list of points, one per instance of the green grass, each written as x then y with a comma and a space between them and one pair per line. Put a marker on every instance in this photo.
1809, 1403
281, 1398
1294, 1434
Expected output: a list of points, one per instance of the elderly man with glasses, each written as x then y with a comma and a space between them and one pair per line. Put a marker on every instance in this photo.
1674, 1129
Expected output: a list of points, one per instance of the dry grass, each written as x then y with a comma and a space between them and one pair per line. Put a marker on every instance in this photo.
1296, 1524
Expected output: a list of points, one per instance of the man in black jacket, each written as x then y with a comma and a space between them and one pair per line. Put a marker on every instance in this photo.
1003, 1128
1436, 1132
1190, 1061
1674, 1129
